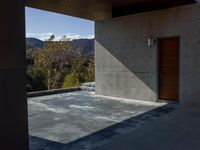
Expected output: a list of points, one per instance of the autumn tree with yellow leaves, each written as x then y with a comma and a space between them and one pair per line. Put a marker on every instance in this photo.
53, 59
58, 65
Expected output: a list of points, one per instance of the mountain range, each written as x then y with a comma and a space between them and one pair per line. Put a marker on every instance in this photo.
85, 45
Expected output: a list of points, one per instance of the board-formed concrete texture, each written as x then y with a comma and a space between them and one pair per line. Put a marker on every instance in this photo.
127, 67
83, 120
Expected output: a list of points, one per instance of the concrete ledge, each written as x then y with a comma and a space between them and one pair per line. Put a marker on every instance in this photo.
91, 89
51, 92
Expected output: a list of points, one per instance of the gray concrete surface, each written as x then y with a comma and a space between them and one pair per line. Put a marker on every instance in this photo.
13, 104
87, 9
127, 67
89, 86
83, 120
52, 92
179, 130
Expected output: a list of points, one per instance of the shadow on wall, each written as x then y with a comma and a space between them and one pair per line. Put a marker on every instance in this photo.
126, 69
104, 136
125, 66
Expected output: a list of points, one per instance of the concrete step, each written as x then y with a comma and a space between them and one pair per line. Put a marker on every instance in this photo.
89, 86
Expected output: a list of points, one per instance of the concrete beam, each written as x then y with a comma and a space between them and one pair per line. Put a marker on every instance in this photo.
104, 9
13, 103
87, 9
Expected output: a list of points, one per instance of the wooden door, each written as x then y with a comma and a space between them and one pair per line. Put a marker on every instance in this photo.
169, 69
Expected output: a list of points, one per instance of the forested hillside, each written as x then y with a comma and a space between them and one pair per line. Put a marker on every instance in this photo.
85, 45
59, 64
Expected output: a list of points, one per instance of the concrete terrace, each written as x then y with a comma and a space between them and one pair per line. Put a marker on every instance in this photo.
179, 130
127, 65
84, 121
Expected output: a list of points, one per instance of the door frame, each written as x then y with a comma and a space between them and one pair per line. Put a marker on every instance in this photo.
158, 67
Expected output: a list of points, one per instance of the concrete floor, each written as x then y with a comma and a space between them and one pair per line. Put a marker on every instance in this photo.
84, 121
180, 130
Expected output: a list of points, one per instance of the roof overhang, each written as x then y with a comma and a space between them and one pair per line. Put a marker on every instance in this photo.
103, 9
126, 7
87, 9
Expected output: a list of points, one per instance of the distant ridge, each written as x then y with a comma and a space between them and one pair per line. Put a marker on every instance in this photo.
34, 43
85, 45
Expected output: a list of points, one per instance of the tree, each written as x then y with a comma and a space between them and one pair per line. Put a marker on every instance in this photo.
71, 80
91, 70
57, 65
35, 79
53, 60
79, 66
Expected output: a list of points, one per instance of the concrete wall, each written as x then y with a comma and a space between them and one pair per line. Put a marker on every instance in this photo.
13, 101
126, 67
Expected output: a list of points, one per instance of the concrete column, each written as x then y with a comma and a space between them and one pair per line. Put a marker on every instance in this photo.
13, 104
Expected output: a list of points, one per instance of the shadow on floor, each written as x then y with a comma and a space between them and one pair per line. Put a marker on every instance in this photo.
104, 136
179, 130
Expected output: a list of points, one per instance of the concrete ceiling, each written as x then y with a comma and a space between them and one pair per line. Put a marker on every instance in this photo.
87, 9
103, 9
126, 7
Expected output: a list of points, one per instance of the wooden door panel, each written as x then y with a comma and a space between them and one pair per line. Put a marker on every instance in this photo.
169, 69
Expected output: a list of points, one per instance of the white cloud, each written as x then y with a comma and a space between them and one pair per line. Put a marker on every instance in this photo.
41, 36
78, 36
71, 36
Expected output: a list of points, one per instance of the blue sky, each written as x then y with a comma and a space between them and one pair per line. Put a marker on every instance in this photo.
41, 24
